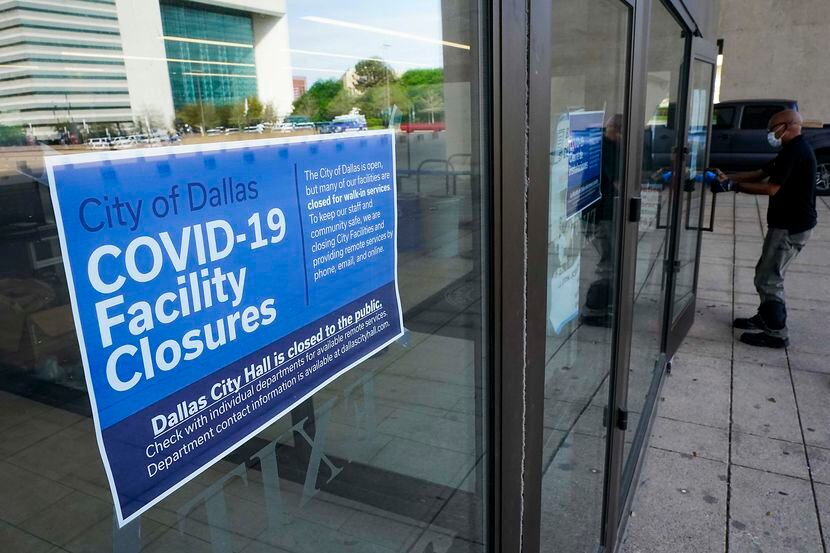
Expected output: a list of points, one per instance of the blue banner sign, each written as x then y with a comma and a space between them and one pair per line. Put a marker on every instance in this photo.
584, 159
215, 287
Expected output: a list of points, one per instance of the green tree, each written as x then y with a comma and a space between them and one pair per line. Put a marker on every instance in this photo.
315, 103
429, 100
419, 77
375, 102
224, 115
425, 88
343, 102
239, 118
269, 114
255, 108
199, 116
12, 135
371, 73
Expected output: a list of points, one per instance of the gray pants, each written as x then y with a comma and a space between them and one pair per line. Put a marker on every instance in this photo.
780, 248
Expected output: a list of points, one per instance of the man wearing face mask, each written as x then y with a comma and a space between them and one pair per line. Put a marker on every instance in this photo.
790, 182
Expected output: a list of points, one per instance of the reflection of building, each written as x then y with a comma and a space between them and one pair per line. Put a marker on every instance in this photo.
131, 61
349, 80
300, 84
218, 45
62, 64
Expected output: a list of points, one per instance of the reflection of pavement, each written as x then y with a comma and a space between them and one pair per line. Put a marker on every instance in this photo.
401, 430
740, 448
400, 437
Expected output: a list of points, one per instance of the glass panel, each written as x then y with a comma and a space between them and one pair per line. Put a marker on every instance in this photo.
757, 117
723, 118
666, 52
693, 183
588, 88
390, 456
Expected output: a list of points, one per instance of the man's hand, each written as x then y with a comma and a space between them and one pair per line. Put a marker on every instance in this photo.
723, 184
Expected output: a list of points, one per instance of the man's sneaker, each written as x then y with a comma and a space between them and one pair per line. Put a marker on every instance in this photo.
764, 340
753, 323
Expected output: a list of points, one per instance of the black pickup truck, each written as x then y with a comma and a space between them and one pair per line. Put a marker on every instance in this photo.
739, 138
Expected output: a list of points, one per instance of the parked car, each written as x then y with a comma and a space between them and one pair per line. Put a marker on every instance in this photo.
739, 138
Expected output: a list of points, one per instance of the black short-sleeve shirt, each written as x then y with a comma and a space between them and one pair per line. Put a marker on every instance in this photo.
793, 207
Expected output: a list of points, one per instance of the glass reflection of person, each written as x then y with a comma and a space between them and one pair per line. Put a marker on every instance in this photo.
599, 226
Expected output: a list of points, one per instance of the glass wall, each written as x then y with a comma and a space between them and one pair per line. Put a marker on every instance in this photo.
589, 75
665, 66
391, 456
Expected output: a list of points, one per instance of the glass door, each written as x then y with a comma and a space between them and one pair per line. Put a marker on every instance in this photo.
588, 117
665, 80
692, 190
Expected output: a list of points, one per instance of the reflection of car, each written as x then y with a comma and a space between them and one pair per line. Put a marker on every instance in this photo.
739, 138
254, 129
284, 127
215, 131
231, 130
343, 123
98, 143
121, 142
303, 125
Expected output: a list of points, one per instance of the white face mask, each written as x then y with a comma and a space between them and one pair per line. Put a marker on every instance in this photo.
774, 141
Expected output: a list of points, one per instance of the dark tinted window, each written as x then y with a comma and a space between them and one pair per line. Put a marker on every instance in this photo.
757, 117
723, 118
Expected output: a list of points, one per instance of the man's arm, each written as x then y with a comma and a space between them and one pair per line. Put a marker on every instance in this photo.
751, 182
749, 176
759, 188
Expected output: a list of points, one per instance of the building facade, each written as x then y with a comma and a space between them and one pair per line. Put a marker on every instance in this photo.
547, 235
766, 61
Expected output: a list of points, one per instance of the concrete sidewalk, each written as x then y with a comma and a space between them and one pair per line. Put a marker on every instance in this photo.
739, 457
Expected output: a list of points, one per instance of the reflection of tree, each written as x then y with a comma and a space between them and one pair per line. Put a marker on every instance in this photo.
207, 115
373, 73
425, 88
316, 101
377, 90
12, 135
429, 99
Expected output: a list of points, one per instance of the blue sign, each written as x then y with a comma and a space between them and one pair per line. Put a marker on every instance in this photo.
215, 287
584, 160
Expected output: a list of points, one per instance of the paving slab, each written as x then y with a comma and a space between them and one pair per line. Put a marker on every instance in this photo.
764, 403
680, 505
813, 391
819, 459
769, 454
814, 362
763, 415
691, 439
771, 513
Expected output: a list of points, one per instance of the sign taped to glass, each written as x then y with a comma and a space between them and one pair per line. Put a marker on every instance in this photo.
215, 287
